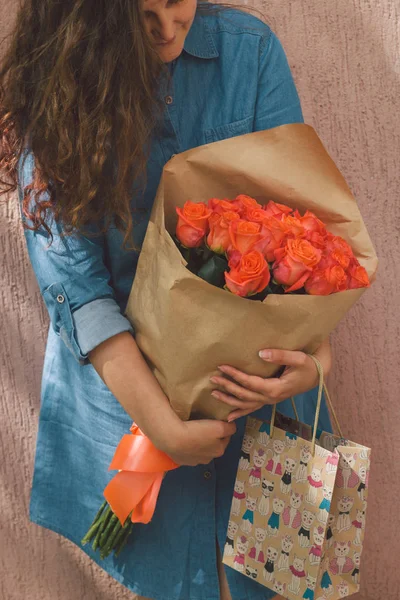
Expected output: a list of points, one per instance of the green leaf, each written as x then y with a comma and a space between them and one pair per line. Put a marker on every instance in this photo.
213, 271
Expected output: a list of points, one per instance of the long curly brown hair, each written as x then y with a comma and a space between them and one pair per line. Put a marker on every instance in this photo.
79, 84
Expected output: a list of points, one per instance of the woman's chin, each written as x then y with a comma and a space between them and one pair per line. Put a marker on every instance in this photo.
169, 54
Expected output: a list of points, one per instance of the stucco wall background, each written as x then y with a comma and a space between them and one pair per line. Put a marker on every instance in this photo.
345, 59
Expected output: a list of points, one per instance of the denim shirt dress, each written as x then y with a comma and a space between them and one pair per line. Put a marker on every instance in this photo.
232, 78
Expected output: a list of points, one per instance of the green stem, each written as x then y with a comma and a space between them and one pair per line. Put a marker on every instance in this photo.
123, 541
95, 523
103, 520
105, 535
113, 536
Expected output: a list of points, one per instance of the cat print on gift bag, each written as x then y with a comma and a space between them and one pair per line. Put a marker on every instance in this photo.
274, 466
315, 482
267, 487
273, 522
331, 463
343, 589
256, 552
259, 460
248, 517
326, 581
286, 481
329, 531
359, 524
287, 545
242, 548
291, 439
363, 475
263, 434
315, 553
307, 519
356, 571
301, 472
279, 587
311, 583
346, 476
247, 445
341, 563
297, 570
250, 572
230, 538
291, 515
238, 495
269, 567
325, 505
345, 504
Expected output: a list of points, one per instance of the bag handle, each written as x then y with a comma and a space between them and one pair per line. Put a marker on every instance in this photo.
321, 387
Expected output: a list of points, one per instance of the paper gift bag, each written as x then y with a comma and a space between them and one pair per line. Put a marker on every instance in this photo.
298, 511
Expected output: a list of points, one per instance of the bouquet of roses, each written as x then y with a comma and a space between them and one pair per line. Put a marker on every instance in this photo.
293, 257
254, 250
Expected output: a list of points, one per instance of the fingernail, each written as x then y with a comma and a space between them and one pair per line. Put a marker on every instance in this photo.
231, 419
265, 354
215, 394
221, 369
214, 379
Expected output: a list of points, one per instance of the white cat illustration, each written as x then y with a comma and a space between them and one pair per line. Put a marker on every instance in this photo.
274, 466
267, 487
363, 475
230, 538
279, 587
359, 524
315, 482
256, 552
341, 563
274, 520
356, 572
307, 519
269, 567
346, 476
247, 444
248, 517
291, 515
297, 570
345, 504
241, 551
287, 545
315, 553
259, 460
286, 481
343, 589
325, 505
311, 583
263, 434
301, 472
238, 495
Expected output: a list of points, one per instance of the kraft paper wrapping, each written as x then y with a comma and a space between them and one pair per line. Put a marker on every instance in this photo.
186, 327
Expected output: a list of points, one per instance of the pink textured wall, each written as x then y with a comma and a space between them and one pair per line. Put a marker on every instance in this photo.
345, 59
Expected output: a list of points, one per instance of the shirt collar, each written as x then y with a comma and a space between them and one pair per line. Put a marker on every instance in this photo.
199, 41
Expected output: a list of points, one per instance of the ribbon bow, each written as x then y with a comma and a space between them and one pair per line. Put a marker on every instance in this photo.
141, 469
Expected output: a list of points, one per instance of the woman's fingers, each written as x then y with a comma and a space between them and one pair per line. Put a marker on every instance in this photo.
235, 402
243, 393
290, 358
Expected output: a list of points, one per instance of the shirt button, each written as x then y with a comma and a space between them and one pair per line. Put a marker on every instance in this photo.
60, 298
207, 474
172, 155
168, 100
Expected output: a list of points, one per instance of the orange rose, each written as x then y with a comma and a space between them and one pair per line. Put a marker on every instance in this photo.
323, 282
357, 277
310, 222
335, 242
244, 235
192, 223
294, 225
254, 214
243, 202
218, 239
294, 263
250, 277
274, 234
273, 209
220, 206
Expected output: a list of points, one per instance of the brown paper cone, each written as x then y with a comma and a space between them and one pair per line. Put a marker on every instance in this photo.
186, 327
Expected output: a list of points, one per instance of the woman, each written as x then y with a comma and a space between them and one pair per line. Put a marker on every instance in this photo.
85, 89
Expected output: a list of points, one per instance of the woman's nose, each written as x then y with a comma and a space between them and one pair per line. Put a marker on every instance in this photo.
165, 30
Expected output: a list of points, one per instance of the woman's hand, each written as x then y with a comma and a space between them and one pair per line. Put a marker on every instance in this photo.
198, 442
249, 393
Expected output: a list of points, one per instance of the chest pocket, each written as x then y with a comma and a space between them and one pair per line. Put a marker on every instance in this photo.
223, 132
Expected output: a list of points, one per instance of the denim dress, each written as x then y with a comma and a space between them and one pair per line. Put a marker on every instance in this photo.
232, 78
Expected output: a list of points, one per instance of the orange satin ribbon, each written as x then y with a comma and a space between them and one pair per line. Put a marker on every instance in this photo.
141, 469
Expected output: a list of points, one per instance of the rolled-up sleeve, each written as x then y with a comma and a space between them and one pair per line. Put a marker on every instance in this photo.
73, 280
278, 101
